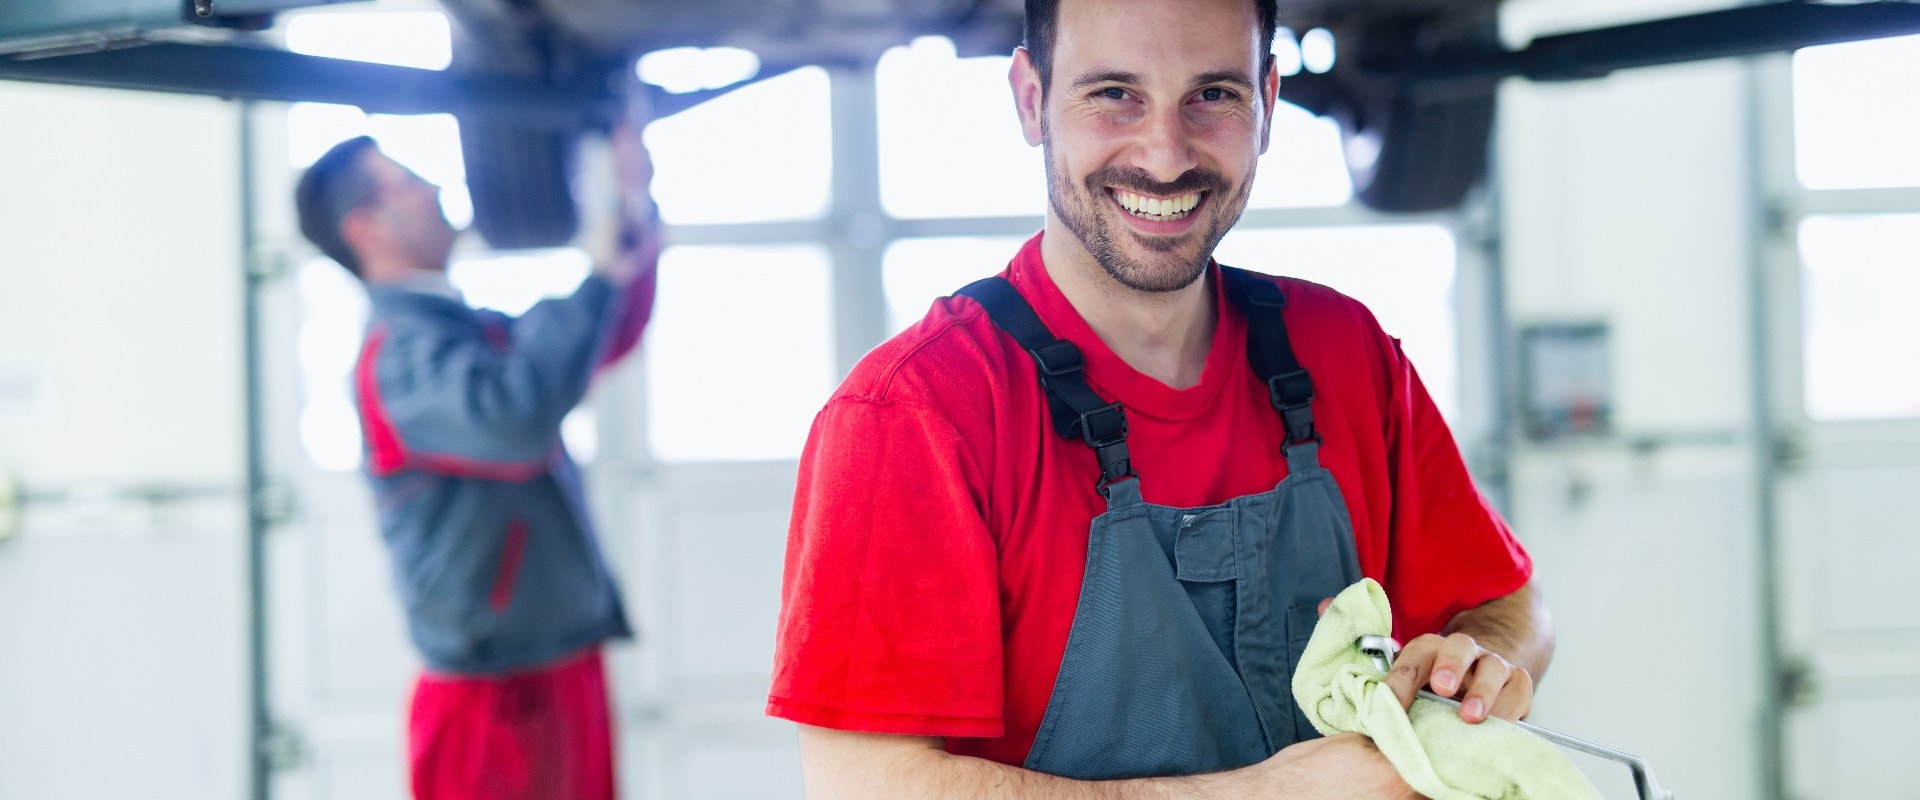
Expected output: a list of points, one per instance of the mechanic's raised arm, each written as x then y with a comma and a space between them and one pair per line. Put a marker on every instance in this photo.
623, 238
840, 765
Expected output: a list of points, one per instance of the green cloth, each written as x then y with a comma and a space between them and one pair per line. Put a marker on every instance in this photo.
1442, 757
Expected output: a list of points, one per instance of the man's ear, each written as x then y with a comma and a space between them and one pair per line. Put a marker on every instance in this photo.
1028, 98
361, 230
1269, 92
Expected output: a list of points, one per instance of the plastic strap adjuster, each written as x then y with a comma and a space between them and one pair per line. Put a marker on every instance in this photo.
1107, 434
1290, 390
1058, 357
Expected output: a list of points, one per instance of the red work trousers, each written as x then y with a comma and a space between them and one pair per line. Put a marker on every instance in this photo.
544, 734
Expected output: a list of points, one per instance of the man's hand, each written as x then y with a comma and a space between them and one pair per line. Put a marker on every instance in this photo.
625, 243
1344, 765
1457, 666
1488, 658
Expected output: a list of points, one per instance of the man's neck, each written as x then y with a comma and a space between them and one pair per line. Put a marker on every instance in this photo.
412, 278
1164, 335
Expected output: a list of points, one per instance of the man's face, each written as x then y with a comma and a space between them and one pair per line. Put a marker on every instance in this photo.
408, 211
1154, 118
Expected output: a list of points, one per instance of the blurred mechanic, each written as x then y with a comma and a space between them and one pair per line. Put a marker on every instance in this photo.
1067, 536
507, 593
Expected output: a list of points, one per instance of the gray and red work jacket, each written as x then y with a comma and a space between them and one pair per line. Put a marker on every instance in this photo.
493, 548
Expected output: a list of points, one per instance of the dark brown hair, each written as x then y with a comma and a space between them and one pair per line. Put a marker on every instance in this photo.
336, 185
1043, 22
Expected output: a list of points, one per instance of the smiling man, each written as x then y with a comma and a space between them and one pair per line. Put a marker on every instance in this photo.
1067, 536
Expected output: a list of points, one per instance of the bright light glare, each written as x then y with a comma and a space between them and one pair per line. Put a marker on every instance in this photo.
691, 69
958, 151
1286, 52
512, 283
1403, 273
580, 431
1856, 114
1316, 50
1303, 166
333, 312
760, 153
420, 39
703, 402
1861, 340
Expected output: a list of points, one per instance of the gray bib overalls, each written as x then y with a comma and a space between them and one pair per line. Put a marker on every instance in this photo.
1190, 620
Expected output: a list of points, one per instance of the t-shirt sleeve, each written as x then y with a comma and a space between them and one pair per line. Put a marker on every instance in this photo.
1450, 549
890, 614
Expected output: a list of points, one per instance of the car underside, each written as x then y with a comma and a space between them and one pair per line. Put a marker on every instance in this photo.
1413, 88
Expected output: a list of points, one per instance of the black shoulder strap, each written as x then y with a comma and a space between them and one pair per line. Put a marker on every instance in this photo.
1289, 387
1078, 411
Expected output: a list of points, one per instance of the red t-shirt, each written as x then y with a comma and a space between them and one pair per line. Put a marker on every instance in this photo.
939, 531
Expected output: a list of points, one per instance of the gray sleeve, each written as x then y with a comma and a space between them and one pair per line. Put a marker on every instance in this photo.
456, 403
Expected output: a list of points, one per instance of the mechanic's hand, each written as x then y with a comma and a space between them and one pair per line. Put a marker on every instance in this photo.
1344, 765
627, 244
1456, 666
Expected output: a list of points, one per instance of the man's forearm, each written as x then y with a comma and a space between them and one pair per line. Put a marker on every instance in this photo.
838, 764
1516, 626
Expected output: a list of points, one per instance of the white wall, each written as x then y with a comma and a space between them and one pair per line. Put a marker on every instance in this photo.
1627, 200
122, 659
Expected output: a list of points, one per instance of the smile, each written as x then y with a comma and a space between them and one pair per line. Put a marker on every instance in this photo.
1157, 209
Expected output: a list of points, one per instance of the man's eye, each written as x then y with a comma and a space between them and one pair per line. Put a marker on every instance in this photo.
1113, 93
1213, 94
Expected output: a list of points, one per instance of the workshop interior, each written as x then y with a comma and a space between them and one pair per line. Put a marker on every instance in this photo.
1654, 259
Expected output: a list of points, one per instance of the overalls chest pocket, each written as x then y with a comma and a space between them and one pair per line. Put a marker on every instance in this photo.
1203, 552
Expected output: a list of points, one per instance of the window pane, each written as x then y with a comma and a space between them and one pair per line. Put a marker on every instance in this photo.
950, 141
1403, 273
420, 39
739, 353
1303, 165
756, 154
918, 271
1861, 345
1857, 114
428, 144
511, 284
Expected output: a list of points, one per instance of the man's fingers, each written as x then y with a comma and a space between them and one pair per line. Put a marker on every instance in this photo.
1484, 685
1410, 669
1515, 701
1322, 610
1456, 655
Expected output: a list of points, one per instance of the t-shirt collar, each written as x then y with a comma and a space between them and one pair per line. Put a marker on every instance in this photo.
1112, 377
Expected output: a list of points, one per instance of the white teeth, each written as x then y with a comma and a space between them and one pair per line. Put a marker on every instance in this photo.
1163, 209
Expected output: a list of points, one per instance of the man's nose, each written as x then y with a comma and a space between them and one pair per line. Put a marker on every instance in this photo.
1165, 146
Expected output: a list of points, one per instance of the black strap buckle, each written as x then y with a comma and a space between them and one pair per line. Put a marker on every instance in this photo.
1057, 358
1104, 429
1292, 395
1290, 390
1110, 430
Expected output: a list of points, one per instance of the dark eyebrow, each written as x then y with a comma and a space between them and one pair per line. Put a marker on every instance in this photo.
1203, 79
1224, 76
1104, 76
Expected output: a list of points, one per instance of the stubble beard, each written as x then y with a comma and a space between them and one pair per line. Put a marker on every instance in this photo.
1169, 266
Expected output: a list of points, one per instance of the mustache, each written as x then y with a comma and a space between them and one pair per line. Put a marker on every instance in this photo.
1137, 180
